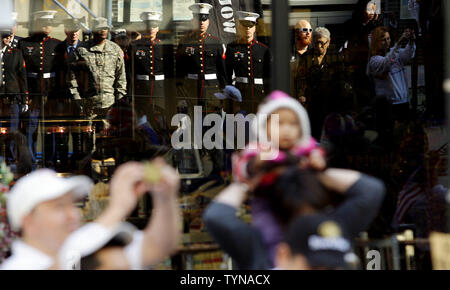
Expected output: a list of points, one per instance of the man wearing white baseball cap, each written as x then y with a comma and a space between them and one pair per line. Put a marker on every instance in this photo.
41, 205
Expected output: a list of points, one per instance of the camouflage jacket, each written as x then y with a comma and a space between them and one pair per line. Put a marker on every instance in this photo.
98, 75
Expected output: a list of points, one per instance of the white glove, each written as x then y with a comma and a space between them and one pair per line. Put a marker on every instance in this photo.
24, 108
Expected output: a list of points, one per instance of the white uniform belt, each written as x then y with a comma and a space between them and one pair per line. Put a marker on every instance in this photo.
44, 75
245, 81
147, 77
207, 76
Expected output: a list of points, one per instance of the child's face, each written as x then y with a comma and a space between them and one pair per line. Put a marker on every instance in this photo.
288, 129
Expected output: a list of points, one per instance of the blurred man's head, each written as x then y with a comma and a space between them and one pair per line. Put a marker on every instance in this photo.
303, 33
314, 242
52, 221
290, 190
109, 257
200, 20
97, 247
247, 24
42, 207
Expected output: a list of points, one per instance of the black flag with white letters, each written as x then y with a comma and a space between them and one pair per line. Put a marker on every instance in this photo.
223, 22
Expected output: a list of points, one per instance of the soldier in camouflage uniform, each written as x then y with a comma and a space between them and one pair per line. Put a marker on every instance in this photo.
97, 74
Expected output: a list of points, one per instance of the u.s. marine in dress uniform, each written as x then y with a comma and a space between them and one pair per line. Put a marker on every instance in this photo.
40, 58
200, 62
249, 61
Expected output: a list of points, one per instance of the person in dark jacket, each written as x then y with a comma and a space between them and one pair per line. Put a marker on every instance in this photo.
356, 47
39, 53
200, 65
65, 56
63, 103
13, 84
249, 61
245, 244
150, 66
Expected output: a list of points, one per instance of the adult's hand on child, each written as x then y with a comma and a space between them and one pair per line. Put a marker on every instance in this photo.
315, 161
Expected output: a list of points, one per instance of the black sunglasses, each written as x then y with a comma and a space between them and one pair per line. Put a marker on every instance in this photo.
203, 17
247, 23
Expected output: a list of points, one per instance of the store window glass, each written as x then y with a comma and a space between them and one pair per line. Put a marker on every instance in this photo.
361, 69
90, 85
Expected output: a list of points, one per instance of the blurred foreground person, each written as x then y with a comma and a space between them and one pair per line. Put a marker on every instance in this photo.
315, 242
41, 207
293, 194
122, 247
47, 215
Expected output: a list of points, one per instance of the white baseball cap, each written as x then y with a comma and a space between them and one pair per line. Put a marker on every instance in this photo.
91, 238
40, 186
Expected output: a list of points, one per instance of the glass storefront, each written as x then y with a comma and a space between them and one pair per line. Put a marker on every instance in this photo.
176, 71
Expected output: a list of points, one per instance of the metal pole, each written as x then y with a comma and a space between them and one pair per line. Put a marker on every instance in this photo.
280, 46
446, 7
126, 11
86, 8
109, 11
